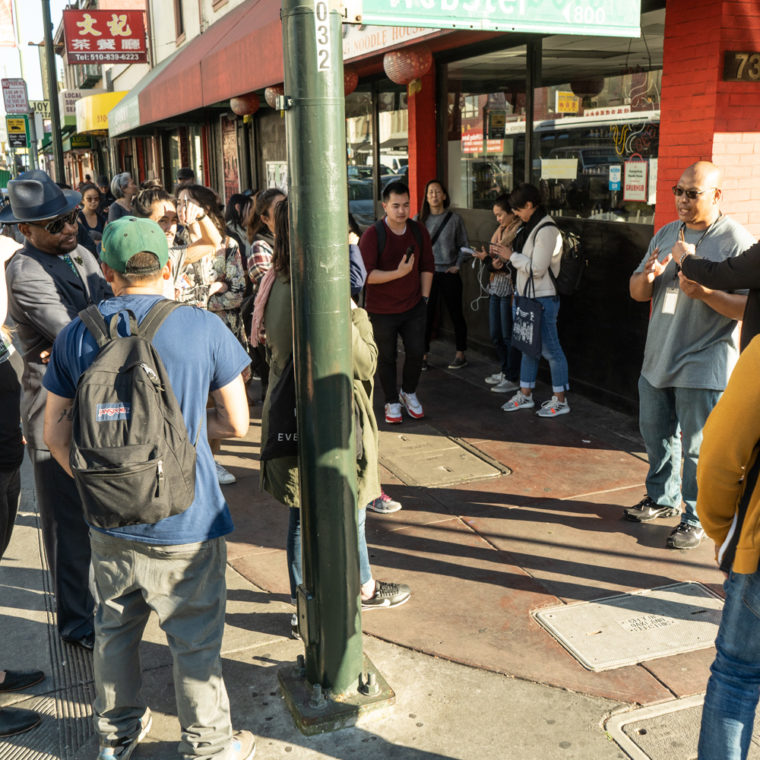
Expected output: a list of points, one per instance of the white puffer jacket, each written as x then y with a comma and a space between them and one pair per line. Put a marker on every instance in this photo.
542, 249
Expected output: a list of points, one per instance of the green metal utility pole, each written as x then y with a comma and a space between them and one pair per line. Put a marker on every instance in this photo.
55, 116
315, 128
330, 690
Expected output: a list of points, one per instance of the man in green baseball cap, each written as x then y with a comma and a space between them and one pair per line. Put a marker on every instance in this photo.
133, 246
176, 566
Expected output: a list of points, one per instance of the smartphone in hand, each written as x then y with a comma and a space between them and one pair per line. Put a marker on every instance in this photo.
409, 252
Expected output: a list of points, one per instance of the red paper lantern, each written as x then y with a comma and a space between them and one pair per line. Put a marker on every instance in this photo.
406, 65
350, 81
271, 93
587, 88
245, 105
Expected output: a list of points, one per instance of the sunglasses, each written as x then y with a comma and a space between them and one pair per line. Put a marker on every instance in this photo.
692, 195
57, 225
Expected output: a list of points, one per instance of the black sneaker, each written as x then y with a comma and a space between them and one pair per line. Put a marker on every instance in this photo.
458, 363
387, 595
685, 536
647, 510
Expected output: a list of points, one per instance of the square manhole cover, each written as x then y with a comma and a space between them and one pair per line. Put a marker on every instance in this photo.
668, 731
422, 456
642, 625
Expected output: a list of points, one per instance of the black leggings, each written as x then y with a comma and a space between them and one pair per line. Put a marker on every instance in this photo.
447, 287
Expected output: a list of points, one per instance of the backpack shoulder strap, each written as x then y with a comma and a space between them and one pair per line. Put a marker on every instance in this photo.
438, 232
94, 321
155, 317
380, 230
417, 232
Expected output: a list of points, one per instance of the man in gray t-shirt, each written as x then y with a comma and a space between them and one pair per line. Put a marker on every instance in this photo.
691, 348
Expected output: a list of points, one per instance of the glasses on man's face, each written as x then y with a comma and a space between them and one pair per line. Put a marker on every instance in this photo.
692, 195
56, 225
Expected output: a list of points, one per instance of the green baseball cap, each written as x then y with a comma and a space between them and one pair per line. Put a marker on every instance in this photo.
127, 236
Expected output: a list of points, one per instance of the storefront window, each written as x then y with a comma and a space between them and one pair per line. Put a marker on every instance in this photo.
390, 146
595, 125
596, 143
486, 94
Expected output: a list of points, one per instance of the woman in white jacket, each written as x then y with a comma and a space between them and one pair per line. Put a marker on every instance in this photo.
535, 254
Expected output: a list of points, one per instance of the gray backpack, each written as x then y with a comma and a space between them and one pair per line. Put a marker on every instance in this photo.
132, 458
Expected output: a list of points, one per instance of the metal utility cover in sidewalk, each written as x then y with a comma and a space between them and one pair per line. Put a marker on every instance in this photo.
629, 628
421, 456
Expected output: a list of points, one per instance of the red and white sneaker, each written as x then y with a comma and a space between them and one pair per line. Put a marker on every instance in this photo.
393, 414
411, 403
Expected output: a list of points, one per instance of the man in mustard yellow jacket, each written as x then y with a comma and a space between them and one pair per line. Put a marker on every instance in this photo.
729, 509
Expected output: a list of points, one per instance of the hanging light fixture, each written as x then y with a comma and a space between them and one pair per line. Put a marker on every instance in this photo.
406, 65
271, 94
245, 105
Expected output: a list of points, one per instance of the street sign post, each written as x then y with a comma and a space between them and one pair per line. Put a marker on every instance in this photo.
16, 128
14, 96
618, 18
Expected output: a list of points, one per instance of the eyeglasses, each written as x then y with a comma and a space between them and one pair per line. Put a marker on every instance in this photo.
56, 226
692, 195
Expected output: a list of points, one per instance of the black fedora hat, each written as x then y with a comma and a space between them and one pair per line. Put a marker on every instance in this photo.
34, 196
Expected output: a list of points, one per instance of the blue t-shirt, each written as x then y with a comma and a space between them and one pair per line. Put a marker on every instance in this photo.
200, 355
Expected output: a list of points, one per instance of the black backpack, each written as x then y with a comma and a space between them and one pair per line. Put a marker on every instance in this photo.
132, 458
572, 264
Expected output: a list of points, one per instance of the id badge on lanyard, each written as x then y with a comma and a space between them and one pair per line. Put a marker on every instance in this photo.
670, 301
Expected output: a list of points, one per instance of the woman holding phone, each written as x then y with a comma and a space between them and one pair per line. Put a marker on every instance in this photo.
500, 289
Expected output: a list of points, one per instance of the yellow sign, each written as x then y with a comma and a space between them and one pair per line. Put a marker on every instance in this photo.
16, 125
566, 102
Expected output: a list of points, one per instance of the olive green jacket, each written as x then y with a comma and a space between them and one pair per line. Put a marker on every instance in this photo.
279, 477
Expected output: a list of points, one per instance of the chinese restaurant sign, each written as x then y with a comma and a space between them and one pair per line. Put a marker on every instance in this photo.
617, 18
105, 36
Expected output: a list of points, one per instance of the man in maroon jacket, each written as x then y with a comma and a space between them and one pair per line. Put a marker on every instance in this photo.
398, 257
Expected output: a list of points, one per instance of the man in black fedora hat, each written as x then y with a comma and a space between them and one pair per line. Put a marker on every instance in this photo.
50, 280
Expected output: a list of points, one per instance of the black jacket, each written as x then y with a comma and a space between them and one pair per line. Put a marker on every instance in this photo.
736, 273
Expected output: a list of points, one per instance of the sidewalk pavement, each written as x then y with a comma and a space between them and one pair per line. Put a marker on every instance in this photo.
474, 674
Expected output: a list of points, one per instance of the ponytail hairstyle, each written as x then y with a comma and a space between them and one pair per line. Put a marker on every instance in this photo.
261, 205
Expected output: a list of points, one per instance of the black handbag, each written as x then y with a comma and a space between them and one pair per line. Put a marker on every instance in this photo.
282, 435
526, 326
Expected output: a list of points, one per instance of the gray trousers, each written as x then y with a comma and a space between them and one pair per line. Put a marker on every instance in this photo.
185, 586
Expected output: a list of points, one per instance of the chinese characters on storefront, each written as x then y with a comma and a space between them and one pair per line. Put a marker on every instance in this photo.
105, 36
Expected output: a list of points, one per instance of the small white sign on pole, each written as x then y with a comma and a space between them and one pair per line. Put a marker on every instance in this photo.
14, 96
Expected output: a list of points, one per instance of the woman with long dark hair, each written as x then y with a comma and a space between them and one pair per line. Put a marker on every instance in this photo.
90, 215
279, 476
449, 237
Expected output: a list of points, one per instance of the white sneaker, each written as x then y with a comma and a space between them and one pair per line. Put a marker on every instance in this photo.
496, 378
411, 403
553, 408
518, 401
393, 414
505, 386
225, 477
123, 750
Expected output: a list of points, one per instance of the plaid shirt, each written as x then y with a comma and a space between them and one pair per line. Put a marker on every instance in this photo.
259, 261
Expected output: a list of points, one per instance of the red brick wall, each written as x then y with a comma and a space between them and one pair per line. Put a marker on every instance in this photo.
703, 117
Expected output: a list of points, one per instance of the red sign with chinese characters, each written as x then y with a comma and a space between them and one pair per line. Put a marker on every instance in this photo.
105, 36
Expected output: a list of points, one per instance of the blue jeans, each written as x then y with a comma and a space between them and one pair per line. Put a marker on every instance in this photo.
500, 326
734, 686
550, 350
663, 412
293, 550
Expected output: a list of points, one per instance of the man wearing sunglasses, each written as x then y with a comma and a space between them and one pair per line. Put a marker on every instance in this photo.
691, 348
50, 280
